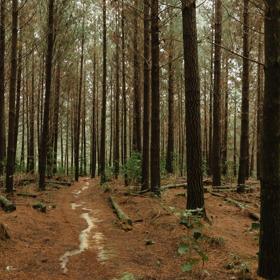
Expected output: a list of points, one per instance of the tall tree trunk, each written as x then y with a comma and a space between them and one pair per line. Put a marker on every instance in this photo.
147, 93
10, 168
117, 102
225, 133
45, 130
136, 86
93, 132
31, 140
269, 258
77, 122
155, 116
259, 106
211, 95
19, 79
124, 99
170, 140
216, 144
235, 137
56, 117
104, 98
244, 139
195, 198
2, 85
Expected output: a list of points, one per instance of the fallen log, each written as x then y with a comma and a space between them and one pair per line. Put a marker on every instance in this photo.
235, 203
125, 220
61, 183
173, 186
6, 204
32, 195
217, 194
252, 215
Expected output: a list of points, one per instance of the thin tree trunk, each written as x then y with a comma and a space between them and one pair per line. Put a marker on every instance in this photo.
146, 101
19, 74
244, 139
104, 100
216, 152
45, 131
225, 132
93, 132
31, 139
117, 103
10, 168
56, 117
2, 85
77, 122
259, 107
155, 116
124, 98
170, 140
136, 86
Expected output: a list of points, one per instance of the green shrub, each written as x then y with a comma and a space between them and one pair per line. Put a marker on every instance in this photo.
133, 168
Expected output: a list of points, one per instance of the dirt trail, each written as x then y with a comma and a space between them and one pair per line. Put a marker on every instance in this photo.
65, 243
81, 239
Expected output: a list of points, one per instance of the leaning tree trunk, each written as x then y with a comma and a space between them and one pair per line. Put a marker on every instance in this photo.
146, 101
269, 258
195, 198
244, 140
45, 130
10, 168
155, 116
216, 143
2, 85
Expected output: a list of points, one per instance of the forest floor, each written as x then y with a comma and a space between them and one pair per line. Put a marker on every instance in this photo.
80, 237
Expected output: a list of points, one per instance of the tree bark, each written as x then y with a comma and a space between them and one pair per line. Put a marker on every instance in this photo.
170, 140
147, 93
104, 100
10, 168
216, 143
117, 103
136, 86
2, 85
155, 116
195, 197
269, 258
45, 130
244, 140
